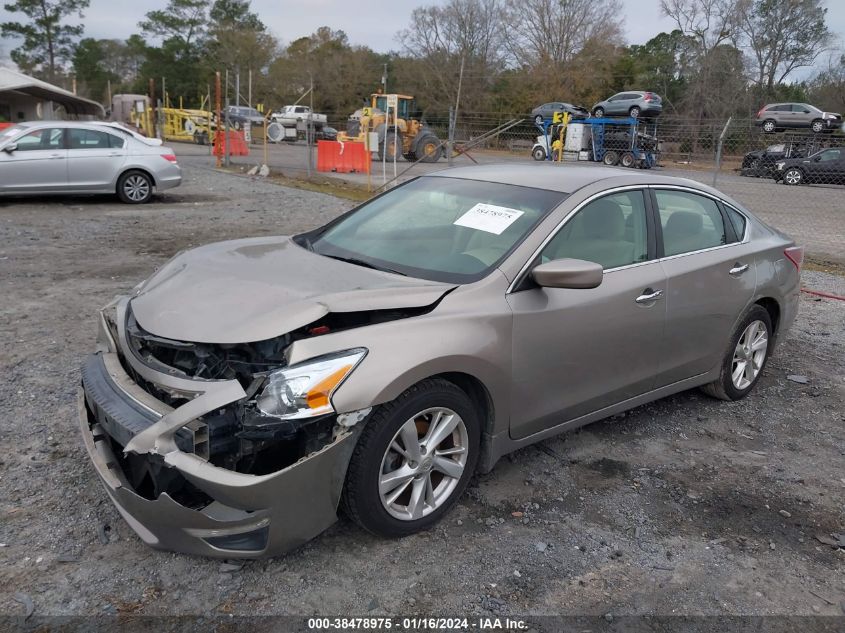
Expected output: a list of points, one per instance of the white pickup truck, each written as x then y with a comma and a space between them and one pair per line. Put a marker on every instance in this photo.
290, 122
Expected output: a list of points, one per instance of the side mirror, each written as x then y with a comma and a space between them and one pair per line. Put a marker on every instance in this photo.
568, 273
11, 147
817, 159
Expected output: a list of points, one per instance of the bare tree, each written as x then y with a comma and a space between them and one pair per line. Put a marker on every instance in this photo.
712, 27
782, 35
468, 32
543, 32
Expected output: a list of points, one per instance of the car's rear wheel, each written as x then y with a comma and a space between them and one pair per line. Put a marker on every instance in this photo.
627, 160
747, 353
538, 153
610, 158
135, 187
769, 126
598, 113
793, 176
413, 460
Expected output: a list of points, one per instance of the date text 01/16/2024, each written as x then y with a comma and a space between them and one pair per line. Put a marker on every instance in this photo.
416, 624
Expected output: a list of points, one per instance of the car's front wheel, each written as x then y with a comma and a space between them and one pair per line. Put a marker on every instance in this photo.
135, 187
538, 153
747, 353
793, 176
413, 460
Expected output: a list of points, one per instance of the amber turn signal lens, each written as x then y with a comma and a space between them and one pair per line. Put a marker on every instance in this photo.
318, 396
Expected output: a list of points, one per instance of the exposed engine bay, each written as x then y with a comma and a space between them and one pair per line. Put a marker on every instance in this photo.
239, 436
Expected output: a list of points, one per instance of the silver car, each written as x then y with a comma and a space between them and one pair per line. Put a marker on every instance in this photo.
779, 116
633, 103
250, 388
72, 157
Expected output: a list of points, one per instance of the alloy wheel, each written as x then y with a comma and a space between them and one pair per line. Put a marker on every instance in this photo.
136, 188
792, 177
423, 463
749, 355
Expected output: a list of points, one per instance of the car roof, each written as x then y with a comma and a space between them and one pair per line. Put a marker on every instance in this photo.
565, 179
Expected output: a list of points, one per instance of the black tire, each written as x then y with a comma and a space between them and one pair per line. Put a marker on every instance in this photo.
724, 388
817, 126
538, 153
135, 187
598, 113
391, 145
634, 112
769, 126
429, 149
627, 160
360, 499
793, 176
538, 119
610, 158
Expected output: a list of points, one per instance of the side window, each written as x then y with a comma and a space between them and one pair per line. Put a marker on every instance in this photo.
737, 220
800, 107
89, 139
690, 222
48, 138
829, 155
610, 231
115, 142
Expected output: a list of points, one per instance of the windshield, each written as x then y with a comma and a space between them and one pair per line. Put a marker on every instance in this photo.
443, 229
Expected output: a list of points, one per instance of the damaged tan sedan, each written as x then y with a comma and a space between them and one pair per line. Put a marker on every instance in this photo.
249, 389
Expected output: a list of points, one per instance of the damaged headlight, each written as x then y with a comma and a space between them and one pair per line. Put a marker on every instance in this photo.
305, 390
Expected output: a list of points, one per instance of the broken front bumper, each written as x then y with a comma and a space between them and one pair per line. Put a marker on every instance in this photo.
247, 516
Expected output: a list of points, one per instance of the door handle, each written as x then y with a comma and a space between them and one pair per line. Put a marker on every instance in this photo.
52, 156
649, 295
116, 154
738, 269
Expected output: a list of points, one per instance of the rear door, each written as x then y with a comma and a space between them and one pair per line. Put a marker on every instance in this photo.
711, 278
39, 163
95, 158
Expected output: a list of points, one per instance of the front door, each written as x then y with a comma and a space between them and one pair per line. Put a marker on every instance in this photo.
825, 167
37, 164
578, 351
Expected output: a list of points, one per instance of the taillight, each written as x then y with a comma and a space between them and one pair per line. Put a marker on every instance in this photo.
169, 157
760, 112
648, 96
795, 254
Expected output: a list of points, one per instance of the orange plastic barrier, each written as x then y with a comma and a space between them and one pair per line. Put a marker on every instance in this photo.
342, 157
237, 144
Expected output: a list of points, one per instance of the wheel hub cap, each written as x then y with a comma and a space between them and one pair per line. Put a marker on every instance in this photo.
423, 464
749, 355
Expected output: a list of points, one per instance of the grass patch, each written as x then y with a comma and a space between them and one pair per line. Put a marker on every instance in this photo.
318, 184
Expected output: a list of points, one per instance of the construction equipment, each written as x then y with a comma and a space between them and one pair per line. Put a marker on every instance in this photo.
181, 124
399, 133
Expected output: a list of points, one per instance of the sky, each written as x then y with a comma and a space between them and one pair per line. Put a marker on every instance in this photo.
370, 22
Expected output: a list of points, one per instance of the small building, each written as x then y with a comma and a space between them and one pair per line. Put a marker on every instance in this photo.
25, 98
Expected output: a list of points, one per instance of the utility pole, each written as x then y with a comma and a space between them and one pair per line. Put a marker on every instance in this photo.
384, 80
453, 116
238, 86
249, 90
308, 123
219, 124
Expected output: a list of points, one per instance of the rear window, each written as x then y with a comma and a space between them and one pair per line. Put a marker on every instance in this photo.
738, 222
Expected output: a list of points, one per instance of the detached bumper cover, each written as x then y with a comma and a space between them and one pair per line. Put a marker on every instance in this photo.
250, 516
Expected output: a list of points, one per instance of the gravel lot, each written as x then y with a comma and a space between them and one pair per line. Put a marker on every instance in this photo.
685, 506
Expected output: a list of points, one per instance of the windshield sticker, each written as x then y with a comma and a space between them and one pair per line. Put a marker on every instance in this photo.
489, 218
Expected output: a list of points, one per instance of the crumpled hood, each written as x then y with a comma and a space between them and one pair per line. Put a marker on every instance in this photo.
255, 289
